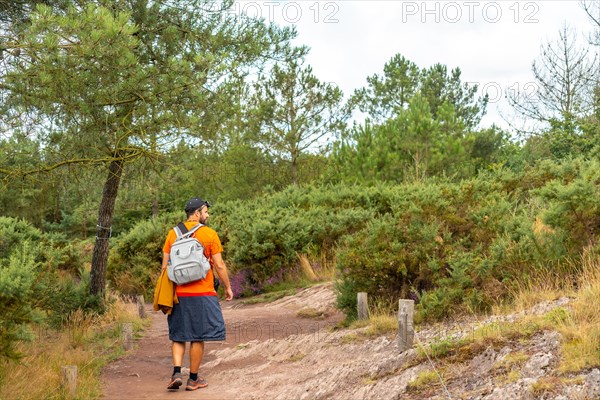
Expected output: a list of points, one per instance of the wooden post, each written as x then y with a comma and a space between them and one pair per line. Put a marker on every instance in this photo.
141, 306
406, 330
69, 380
127, 332
362, 305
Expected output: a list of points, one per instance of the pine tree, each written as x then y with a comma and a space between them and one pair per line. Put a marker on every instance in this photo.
106, 85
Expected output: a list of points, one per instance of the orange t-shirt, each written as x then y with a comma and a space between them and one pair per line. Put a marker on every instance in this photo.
212, 245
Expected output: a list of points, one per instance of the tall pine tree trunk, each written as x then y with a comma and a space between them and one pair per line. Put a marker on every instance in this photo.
294, 153
294, 169
155, 209
103, 229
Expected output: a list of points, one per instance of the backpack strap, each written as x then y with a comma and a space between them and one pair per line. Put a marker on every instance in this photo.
182, 228
194, 229
182, 231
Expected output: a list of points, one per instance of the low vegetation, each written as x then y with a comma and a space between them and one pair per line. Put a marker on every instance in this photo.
311, 313
85, 341
270, 297
425, 380
578, 323
456, 248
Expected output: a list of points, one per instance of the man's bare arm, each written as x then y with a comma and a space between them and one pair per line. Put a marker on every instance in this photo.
221, 270
165, 260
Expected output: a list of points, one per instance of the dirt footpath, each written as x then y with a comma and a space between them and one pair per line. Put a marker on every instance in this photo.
273, 353
144, 372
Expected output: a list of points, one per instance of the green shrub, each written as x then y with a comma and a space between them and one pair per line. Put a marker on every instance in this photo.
574, 205
38, 280
15, 231
346, 289
262, 238
451, 246
18, 275
266, 240
52, 249
136, 256
66, 295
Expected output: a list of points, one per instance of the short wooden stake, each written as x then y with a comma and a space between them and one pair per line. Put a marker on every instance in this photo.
69, 380
362, 305
127, 332
141, 306
406, 330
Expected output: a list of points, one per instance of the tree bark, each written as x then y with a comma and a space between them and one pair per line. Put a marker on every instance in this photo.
294, 170
155, 206
103, 229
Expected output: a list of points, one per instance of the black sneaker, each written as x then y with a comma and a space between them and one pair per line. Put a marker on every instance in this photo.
175, 382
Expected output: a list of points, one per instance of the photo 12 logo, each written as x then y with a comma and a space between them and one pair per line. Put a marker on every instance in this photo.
518, 91
249, 331
291, 12
470, 11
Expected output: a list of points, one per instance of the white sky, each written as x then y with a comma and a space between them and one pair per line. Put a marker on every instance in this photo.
492, 42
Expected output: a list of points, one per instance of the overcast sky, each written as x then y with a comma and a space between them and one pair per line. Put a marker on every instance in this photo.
492, 42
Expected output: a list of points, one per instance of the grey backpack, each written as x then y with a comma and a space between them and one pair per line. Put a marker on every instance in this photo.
187, 260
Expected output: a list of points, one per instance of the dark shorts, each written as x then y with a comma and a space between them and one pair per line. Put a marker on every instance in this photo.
196, 319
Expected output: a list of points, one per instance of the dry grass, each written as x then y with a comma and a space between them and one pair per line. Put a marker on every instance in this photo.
370, 328
510, 377
546, 385
382, 320
581, 329
495, 335
512, 361
424, 380
86, 341
350, 338
307, 269
317, 269
297, 357
508, 369
382, 325
311, 313
580, 324
547, 285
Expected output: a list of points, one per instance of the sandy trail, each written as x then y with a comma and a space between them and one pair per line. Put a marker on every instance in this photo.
144, 372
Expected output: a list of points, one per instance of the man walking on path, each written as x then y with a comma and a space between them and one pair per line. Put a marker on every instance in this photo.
197, 317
